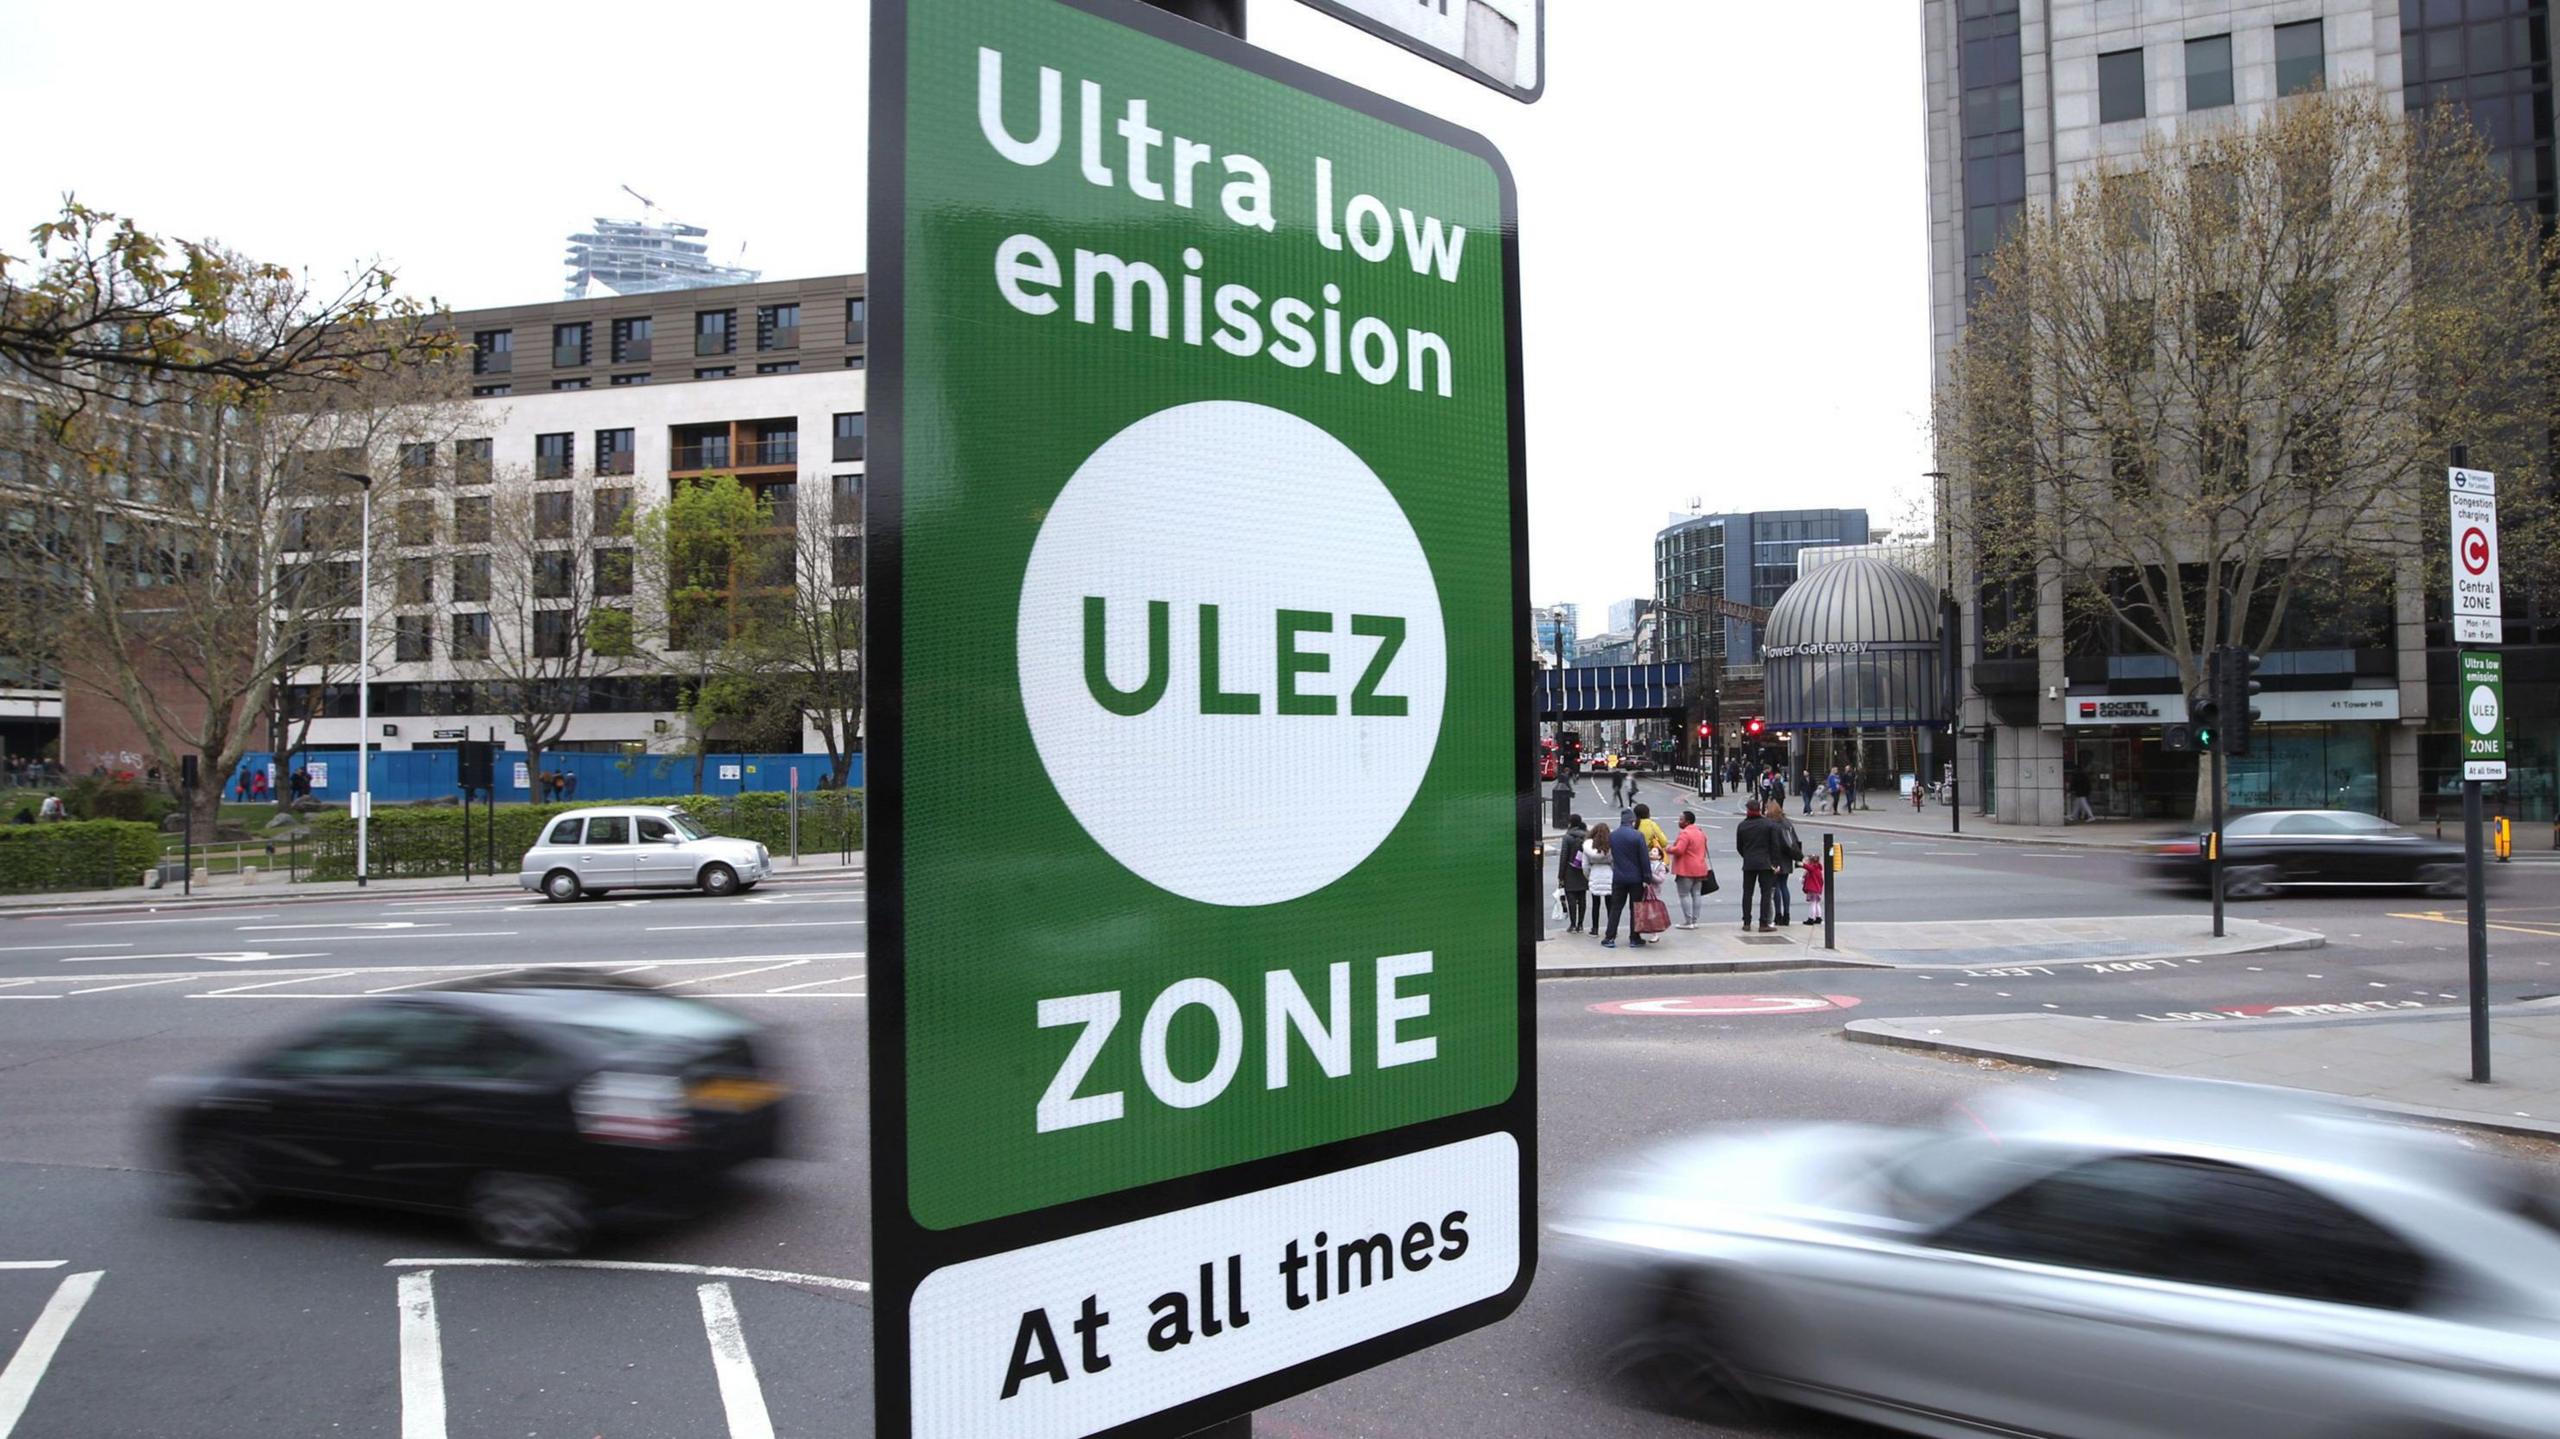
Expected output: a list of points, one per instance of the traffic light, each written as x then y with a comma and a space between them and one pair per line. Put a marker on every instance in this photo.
2235, 684
2204, 703
1754, 726
2178, 739
1706, 731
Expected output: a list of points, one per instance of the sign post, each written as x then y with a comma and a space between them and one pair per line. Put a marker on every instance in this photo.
1195, 450
2472, 510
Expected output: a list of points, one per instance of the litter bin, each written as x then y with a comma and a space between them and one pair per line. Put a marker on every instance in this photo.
1560, 803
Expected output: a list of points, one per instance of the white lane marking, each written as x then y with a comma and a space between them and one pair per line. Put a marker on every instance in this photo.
35, 1352
741, 1397
641, 1266
26, 948
189, 919
421, 1359
452, 969
430, 979
217, 956
763, 924
414, 938
631, 969
815, 983
298, 979
33, 1263
748, 994
137, 984
343, 924
30, 996
735, 974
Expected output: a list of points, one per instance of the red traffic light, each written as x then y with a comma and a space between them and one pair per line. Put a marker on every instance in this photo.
1706, 731
1753, 726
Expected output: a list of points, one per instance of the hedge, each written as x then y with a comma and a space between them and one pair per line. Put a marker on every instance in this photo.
426, 840
76, 854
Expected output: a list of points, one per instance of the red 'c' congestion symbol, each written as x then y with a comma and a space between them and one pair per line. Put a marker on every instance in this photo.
2475, 551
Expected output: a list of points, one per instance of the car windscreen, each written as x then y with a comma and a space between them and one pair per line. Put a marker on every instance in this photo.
685, 825
2241, 826
613, 1019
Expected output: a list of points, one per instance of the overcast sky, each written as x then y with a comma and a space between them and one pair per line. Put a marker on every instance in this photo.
1722, 206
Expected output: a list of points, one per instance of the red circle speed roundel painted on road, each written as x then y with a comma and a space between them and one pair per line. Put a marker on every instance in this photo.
1707, 1006
2475, 551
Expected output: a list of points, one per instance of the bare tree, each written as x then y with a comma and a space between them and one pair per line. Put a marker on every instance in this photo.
557, 570
2208, 397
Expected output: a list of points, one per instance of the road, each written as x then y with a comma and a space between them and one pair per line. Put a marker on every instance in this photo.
316, 1320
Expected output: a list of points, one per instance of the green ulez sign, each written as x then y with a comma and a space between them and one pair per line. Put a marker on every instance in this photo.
1199, 1063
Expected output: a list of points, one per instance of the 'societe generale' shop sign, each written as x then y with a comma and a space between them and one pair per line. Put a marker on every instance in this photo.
2274, 707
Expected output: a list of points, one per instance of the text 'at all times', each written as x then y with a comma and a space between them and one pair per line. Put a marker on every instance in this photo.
1299, 334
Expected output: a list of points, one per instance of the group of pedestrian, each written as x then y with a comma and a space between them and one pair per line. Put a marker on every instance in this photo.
50, 811
558, 785
37, 773
1619, 870
253, 788
1771, 851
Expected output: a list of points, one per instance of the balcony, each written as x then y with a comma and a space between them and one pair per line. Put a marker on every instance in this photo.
706, 455
568, 357
715, 344
773, 450
492, 362
614, 462
780, 337
630, 352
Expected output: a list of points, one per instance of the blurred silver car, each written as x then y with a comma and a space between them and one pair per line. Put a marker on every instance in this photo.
597, 851
2103, 1261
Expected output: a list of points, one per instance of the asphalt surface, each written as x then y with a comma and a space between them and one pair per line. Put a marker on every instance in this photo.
297, 1322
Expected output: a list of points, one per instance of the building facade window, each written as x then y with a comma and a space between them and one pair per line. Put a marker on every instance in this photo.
853, 362
850, 432
612, 510
471, 636
2120, 86
580, 383
631, 340
1995, 135
493, 352
554, 514
848, 561
555, 457
418, 464
857, 321
555, 575
471, 520
2302, 59
471, 577
615, 452
417, 583
847, 492
715, 332
417, 525
715, 372
570, 344
779, 367
613, 572
414, 641
2209, 72
472, 460
778, 327
2497, 69
491, 392
620, 380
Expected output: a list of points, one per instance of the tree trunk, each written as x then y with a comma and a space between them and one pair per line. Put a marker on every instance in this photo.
533, 766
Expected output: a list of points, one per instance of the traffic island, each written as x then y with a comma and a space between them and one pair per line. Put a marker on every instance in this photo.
2408, 1061
1720, 946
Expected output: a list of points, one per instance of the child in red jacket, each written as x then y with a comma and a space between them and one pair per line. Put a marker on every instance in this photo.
1813, 891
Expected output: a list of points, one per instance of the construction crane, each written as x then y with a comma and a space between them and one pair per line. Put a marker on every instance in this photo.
646, 204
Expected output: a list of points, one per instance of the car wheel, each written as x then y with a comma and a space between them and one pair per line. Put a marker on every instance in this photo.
719, 879
2249, 881
560, 886
1677, 1360
216, 1178
750, 884
529, 1214
2443, 881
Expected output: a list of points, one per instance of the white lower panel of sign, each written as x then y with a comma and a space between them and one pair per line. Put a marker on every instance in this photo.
2484, 769
1074, 1336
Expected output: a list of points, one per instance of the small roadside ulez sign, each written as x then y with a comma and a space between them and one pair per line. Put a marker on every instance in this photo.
2483, 696
1499, 43
2473, 511
1201, 1075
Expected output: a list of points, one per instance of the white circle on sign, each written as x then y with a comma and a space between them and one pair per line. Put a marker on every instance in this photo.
1215, 520
2484, 709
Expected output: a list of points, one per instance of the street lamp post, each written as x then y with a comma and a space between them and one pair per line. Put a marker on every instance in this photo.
364, 678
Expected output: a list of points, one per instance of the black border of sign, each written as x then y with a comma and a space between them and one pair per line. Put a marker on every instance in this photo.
904, 1252
1403, 41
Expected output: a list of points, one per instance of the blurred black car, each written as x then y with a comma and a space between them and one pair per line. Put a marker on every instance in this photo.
2270, 850
532, 1104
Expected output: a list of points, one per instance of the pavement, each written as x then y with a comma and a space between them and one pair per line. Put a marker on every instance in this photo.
1721, 946
2406, 1060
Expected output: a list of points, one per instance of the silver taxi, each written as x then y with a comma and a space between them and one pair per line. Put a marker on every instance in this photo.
597, 851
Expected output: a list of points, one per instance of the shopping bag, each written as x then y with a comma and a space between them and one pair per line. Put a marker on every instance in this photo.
1652, 915
1555, 912
1709, 885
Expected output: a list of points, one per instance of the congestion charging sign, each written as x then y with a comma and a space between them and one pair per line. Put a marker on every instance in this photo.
2473, 512
1200, 1063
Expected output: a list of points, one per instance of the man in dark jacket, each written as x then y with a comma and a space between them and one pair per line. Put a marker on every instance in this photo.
1759, 844
1630, 870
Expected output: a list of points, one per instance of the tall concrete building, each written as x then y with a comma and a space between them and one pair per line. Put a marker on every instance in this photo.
2025, 99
